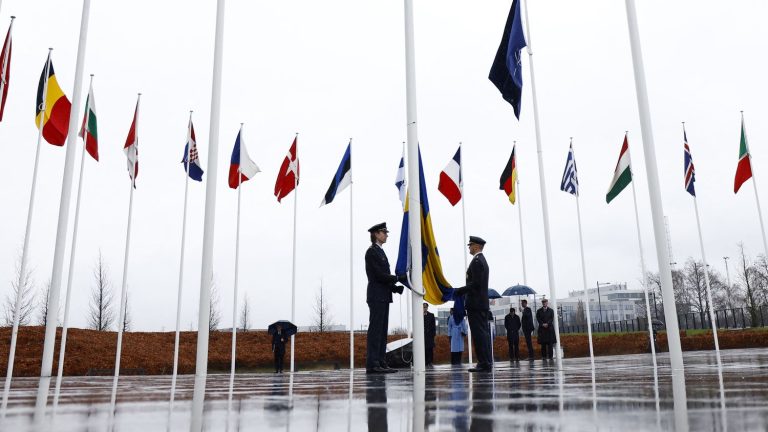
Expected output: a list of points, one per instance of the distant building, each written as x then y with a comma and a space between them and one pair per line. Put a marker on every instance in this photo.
330, 328
499, 308
616, 303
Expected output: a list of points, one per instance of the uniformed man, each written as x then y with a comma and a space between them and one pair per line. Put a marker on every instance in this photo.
381, 285
430, 330
477, 305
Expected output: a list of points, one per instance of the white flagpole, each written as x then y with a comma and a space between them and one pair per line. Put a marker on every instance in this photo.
351, 268
181, 273
543, 191
520, 218
414, 204
3, 83
70, 273
464, 238
754, 182
293, 268
63, 223
645, 273
124, 289
206, 273
584, 275
237, 282
25, 249
657, 212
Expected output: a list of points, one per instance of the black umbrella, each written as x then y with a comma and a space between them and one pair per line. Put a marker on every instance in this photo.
288, 327
518, 290
493, 294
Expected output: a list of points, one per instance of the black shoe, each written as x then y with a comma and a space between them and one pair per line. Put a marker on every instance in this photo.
480, 369
377, 370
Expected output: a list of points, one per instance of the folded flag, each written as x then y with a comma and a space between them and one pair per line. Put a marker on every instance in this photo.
744, 168
622, 175
131, 147
450, 183
400, 179
288, 176
342, 178
5, 72
690, 172
436, 287
190, 154
508, 179
53, 107
507, 70
89, 130
570, 182
241, 167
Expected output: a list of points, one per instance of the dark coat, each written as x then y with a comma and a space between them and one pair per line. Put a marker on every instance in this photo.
512, 324
476, 288
546, 335
430, 329
527, 323
278, 342
381, 282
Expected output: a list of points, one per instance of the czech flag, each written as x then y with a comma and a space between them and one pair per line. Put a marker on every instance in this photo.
241, 167
53, 107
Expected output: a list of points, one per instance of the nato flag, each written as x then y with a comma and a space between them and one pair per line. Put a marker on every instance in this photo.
506, 73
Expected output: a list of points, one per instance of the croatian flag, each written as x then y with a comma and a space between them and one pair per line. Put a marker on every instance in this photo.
241, 167
450, 183
190, 154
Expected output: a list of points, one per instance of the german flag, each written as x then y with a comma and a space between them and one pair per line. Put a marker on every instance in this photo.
52, 112
509, 177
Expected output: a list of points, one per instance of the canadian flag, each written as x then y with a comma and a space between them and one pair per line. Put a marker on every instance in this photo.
450, 179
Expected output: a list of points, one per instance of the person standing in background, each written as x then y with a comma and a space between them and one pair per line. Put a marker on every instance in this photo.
527, 326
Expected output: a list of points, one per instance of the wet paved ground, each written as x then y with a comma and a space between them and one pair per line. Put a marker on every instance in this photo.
620, 395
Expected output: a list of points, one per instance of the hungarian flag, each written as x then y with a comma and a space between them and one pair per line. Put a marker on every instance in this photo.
288, 176
509, 177
744, 168
52, 110
131, 147
241, 167
450, 183
622, 175
89, 131
5, 72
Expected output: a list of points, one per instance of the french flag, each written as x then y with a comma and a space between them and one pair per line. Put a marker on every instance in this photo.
450, 179
241, 167
190, 154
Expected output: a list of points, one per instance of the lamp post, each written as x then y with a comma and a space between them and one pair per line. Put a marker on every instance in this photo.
599, 300
728, 278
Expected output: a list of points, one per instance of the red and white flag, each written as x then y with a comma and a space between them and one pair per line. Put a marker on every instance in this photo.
288, 176
450, 183
131, 147
5, 69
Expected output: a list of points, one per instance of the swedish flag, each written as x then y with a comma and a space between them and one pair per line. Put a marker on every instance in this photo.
436, 287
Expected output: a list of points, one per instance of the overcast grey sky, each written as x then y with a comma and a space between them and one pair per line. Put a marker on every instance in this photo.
335, 69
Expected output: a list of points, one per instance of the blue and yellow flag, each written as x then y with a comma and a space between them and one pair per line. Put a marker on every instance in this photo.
436, 287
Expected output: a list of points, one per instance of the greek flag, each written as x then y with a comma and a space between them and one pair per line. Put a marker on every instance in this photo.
570, 181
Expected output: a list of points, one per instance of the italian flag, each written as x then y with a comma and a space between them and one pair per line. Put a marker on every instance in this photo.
89, 131
744, 168
622, 175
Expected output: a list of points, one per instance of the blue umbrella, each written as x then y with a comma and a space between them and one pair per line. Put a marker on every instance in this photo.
519, 290
493, 294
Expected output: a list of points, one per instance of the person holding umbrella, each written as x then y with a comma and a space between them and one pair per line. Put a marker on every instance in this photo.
278, 347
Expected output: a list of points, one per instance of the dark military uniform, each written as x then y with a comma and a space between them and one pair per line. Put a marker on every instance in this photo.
430, 331
527, 326
546, 335
512, 324
477, 306
381, 285
278, 348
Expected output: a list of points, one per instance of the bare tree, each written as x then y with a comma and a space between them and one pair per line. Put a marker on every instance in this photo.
100, 313
214, 314
323, 318
748, 276
23, 284
43, 305
127, 318
245, 314
695, 286
580, 317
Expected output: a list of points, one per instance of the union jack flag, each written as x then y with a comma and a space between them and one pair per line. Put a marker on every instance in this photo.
690, 172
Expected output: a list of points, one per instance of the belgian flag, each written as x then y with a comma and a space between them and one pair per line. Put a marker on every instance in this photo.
52, 111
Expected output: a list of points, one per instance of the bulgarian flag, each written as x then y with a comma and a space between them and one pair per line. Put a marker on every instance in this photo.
622, 175
89, 131
744, 168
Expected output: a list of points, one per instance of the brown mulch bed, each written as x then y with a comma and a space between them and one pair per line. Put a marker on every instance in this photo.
90, 351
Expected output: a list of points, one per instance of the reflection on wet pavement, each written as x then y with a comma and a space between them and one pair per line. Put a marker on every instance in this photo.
619, 395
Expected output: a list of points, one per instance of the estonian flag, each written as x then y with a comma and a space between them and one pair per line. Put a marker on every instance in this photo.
190, 153
343, 177
507, 72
